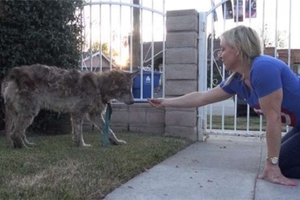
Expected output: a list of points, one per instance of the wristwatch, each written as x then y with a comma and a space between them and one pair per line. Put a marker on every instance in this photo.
273, 160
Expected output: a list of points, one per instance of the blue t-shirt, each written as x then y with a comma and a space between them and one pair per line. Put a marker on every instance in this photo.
267, 75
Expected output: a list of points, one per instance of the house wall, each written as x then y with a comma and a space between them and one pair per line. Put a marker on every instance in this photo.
283, 54
181, 65
96, 63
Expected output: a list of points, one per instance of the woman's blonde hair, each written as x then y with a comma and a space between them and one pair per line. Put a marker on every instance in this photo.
247, 42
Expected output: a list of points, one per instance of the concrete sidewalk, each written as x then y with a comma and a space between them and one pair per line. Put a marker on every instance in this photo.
223, 167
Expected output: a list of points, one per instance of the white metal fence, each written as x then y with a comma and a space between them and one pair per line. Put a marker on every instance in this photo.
127, 35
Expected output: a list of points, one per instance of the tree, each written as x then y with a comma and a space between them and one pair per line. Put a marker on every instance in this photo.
269, 39
104, 50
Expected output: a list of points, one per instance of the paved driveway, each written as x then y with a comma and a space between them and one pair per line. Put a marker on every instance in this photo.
223, 168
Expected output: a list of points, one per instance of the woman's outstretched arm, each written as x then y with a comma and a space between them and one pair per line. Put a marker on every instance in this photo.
193, 99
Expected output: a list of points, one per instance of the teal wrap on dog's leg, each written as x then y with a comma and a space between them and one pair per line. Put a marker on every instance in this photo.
106, 125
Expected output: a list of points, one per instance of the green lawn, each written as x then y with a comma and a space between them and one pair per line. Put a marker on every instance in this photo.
56, 169
241, 123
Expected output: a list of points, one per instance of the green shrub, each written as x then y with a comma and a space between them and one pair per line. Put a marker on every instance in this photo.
39, 31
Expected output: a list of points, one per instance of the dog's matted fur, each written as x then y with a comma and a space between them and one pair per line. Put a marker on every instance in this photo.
28, 89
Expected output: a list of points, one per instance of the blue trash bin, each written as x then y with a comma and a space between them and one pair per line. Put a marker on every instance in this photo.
136, 90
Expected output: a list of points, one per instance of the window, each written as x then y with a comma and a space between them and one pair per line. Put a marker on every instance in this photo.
296, 68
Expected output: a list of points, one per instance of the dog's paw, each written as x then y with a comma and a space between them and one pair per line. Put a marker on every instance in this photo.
29, 144
83, 145
86, 145
117, 142
122, 142
18, 143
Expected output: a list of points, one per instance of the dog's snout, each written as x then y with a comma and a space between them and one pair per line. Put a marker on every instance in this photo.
130, 102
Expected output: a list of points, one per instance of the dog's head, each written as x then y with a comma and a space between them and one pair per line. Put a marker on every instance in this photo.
118, 85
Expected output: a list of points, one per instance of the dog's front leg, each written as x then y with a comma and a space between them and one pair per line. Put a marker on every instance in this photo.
99, 121
77, 121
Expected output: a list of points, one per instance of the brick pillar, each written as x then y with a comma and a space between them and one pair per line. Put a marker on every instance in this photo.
181, 70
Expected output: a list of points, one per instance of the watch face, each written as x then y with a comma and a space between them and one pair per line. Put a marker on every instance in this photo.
274, 160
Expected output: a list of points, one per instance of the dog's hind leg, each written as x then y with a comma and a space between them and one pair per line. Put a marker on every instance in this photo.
77, 120
10, 120
10, 116
24, 108
17, 135
99, 121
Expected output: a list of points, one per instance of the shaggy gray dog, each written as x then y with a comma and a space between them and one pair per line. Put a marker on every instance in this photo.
28, 89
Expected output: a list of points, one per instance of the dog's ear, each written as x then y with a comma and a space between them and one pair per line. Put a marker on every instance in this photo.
133, 74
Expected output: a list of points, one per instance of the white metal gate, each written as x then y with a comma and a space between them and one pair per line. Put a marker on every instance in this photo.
275, 21
117, 38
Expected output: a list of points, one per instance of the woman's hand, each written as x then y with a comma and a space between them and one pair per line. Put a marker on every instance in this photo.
157, 103
273, 174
